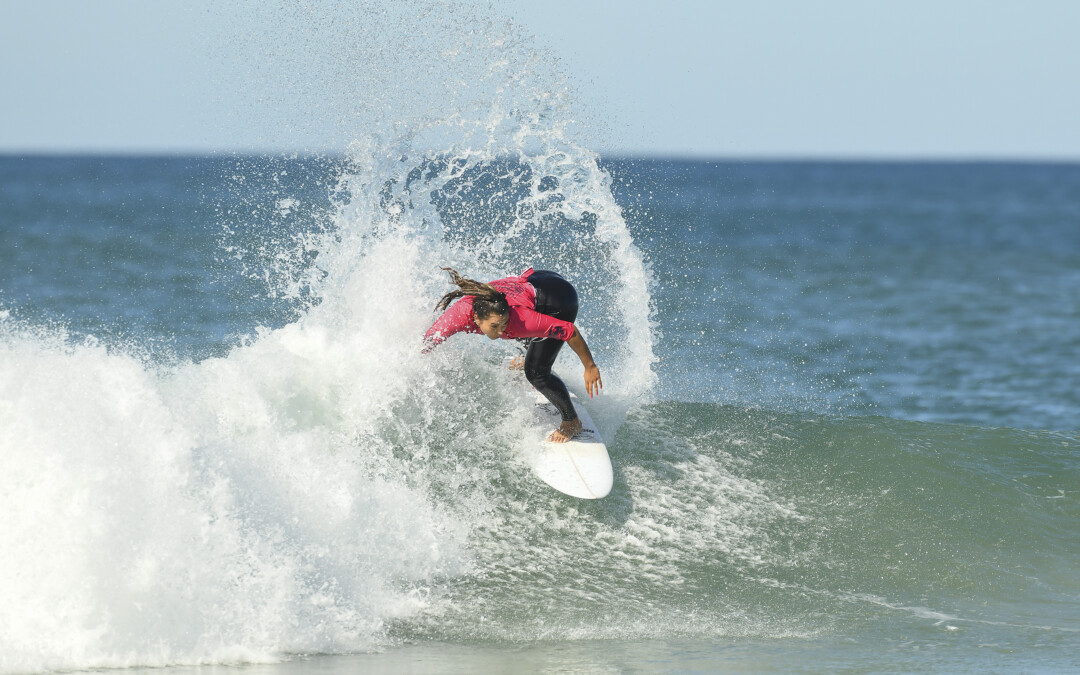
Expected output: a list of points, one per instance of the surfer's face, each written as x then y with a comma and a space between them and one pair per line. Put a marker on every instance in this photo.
493, 325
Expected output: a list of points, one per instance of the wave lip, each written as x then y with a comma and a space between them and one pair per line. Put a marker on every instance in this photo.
316, 487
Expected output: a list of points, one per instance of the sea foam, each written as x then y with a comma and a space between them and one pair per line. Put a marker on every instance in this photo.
317, 483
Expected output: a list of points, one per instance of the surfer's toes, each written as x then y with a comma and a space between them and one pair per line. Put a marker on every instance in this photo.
567, 431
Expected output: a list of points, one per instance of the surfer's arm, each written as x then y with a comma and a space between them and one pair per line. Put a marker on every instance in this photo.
593, 383
457, 319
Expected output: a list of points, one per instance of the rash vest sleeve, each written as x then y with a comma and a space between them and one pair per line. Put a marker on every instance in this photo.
456, 319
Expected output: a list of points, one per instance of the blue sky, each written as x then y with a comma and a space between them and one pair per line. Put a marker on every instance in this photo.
831, 78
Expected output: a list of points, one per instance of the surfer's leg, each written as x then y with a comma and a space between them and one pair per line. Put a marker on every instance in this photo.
556, 297
538, 361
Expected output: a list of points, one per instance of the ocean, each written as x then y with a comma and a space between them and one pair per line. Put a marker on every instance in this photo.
840, 397
841, 402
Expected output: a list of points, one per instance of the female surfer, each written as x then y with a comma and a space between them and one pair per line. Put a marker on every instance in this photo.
536, 306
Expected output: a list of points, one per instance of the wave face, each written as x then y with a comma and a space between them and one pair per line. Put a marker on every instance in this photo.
736, 523
227, 511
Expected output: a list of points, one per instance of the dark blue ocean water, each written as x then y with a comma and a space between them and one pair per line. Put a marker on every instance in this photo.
937, 292
847, 442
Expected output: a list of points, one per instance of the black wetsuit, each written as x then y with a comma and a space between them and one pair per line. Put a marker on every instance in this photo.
555, 297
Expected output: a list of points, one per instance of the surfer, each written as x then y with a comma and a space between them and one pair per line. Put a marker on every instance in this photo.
537, 307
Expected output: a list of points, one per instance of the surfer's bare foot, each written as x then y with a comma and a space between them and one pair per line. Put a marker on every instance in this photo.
565, 432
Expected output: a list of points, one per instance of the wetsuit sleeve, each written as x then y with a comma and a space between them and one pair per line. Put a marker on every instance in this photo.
457, 319
542, 325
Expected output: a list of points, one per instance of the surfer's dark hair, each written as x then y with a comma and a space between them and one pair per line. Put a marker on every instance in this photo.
487, 299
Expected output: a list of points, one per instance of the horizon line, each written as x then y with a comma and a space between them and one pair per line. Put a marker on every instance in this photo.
793, 158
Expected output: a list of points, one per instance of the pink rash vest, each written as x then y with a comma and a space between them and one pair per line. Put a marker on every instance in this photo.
525, 321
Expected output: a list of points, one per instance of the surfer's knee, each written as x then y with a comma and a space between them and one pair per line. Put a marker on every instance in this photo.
537, 377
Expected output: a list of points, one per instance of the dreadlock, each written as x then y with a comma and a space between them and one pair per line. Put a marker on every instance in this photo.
487, 299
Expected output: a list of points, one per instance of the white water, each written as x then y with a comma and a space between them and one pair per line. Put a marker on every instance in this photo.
315, 485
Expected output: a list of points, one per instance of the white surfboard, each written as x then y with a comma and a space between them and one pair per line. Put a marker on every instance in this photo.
581, 466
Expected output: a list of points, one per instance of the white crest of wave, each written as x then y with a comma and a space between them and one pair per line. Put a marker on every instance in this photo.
218, 512
314, 486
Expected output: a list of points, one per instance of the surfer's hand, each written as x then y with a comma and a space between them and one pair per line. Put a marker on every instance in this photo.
517, 363
593, 383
